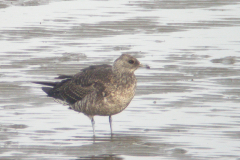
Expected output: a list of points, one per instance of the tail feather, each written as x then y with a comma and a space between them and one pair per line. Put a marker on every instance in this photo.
52, 89
47, 90
61, 76
46, 83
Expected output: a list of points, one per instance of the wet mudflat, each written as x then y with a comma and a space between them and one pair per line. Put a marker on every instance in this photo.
186, 105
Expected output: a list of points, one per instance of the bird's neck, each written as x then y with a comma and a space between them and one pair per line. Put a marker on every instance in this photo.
124, 78
120, 72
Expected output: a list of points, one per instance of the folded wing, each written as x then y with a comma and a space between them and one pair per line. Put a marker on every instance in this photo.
74, 88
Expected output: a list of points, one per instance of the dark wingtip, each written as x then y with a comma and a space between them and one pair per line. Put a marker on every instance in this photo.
46, 89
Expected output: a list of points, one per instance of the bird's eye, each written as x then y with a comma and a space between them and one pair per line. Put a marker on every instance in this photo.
131, 61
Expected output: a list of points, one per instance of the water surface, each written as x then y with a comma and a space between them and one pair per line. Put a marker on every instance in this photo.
186, 105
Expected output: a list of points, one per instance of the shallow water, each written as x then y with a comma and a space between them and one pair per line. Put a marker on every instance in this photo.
186, 105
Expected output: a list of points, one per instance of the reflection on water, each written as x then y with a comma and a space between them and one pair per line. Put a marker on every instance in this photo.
186, 106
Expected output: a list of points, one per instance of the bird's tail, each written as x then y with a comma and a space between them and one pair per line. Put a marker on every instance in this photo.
47, 89
46, 83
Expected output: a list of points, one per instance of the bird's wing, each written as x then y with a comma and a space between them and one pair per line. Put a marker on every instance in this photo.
70, 92
75, 88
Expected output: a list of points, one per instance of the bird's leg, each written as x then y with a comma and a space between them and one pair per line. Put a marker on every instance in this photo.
93, 124
110, 122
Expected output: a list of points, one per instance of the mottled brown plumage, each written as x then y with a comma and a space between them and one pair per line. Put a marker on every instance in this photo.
98, 90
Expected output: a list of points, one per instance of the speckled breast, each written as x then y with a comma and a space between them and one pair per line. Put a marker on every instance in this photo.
118, 100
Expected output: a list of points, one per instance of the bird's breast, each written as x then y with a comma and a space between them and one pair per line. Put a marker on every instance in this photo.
121, 96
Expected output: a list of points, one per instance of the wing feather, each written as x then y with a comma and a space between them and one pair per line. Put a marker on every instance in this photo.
74, 88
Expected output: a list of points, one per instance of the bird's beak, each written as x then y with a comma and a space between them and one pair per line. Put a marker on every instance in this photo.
144, 66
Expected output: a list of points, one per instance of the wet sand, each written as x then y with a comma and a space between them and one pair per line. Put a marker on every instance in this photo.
186, 105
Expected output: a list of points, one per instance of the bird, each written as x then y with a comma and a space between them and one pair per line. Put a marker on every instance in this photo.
98, 90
